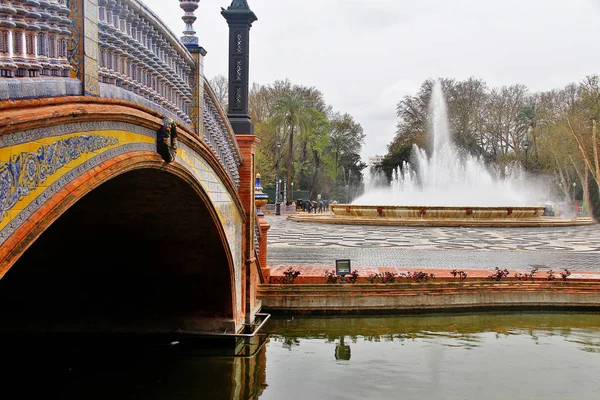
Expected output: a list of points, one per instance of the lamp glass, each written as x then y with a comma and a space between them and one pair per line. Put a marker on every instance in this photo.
342, 267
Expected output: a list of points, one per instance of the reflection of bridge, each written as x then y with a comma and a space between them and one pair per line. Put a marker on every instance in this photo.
111, 221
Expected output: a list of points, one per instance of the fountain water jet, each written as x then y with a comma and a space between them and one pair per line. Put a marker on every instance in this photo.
449, 177
448, 188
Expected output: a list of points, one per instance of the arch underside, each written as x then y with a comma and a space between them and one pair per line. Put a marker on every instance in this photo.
140, 253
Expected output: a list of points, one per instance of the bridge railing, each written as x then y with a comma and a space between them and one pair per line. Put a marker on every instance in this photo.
219, 135
111, 49
140, 59
34, 40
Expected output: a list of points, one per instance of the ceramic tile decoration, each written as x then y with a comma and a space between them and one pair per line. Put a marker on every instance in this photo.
222, 200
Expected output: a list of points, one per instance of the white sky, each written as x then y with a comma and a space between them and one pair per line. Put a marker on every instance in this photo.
365, 55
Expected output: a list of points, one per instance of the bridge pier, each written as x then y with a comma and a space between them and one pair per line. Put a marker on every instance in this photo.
252, 273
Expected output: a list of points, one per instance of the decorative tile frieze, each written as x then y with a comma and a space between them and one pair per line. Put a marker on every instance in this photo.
64, 180
66, 129
26, 171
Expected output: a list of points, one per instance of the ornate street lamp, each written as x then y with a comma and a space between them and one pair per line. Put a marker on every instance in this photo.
277, 182
526, 145
239, 19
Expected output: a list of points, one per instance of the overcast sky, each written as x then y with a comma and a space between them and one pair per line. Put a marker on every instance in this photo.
365, 55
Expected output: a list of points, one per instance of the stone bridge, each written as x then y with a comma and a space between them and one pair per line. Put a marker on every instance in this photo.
126, 192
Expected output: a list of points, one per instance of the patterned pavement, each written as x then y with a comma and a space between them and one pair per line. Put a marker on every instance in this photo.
297, 243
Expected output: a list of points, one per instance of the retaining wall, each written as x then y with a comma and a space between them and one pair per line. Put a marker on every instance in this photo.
375, 298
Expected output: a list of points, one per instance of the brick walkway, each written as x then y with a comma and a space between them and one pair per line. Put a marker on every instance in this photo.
313, 248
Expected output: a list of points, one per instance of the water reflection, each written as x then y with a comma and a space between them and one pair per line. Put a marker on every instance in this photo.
132, 368
476, 356
454, 330
342, 350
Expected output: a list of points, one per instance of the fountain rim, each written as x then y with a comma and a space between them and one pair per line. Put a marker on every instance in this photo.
438, 213
430, 207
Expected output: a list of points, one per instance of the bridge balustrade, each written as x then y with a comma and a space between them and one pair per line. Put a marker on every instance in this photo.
33, 38
138, 59
219, 136
138, 54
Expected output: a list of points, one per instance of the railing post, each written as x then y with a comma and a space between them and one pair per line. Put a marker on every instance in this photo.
82, 50
190, 40
197, 84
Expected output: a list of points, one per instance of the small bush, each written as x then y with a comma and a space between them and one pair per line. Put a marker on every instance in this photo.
499, 274
462, 275
388, 277
352, 277
331, 276
420, 276
550, 275
373, 278
289, 275
526, 275
565, 274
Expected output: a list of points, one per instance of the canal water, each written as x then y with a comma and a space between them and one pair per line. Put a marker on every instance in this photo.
514, 355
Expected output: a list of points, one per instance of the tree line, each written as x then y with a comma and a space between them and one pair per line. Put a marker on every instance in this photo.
319, 148
554, 132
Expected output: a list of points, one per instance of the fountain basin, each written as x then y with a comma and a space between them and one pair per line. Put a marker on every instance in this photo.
438, 212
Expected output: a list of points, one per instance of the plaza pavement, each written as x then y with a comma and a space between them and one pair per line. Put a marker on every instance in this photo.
313, 248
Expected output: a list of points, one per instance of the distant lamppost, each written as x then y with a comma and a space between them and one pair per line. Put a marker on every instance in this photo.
292, 199
526, 145
277, 182
574, 185
280, 192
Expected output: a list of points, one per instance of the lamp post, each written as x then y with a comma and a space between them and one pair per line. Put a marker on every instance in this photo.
526, 145
277, 182
292, 199
574, 185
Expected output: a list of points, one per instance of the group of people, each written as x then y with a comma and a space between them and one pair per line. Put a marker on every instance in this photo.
314, 206
553, 209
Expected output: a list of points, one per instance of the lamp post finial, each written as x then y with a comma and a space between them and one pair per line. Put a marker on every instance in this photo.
189, 34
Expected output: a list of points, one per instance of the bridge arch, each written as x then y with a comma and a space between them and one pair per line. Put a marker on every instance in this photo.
123, 184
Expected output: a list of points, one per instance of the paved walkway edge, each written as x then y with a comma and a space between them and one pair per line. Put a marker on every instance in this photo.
317, 274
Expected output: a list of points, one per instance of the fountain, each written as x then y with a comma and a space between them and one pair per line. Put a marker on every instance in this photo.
449, 188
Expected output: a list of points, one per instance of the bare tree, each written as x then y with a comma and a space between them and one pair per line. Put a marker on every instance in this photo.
220, 87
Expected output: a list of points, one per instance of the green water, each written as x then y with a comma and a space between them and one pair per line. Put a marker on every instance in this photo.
529, 355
